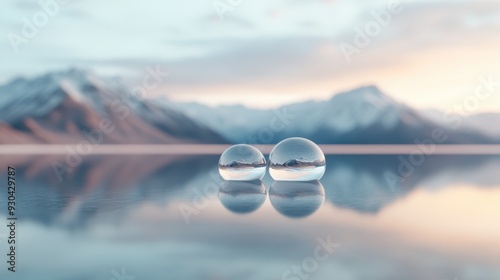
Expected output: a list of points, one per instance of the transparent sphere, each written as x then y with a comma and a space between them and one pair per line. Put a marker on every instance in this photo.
297, 199
296, 159
242, 163
242, 197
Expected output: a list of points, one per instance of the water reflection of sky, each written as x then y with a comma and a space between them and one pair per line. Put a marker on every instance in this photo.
124, 212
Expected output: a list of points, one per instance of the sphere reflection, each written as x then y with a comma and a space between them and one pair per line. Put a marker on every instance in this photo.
297, 199
242, 197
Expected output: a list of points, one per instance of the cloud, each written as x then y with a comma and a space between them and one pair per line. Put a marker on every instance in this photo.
279, 48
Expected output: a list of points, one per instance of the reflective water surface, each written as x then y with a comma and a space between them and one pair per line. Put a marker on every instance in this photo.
173, 217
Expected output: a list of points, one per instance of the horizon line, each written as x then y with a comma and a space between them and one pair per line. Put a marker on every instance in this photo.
217, 149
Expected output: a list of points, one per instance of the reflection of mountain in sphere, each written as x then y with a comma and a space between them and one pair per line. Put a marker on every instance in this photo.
242, 196
297, 199
297, 159
242, 163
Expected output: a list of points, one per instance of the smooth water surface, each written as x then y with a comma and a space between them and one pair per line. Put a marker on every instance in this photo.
167, 217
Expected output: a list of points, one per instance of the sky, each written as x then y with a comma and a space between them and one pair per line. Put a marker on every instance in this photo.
427, 54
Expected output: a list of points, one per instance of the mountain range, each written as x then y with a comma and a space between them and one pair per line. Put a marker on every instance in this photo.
68, 106
360, 116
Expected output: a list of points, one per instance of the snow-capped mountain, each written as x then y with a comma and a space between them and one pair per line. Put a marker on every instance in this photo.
68, 106
360, 116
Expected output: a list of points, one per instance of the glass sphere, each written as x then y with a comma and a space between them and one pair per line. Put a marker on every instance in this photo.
242, 163
296, 159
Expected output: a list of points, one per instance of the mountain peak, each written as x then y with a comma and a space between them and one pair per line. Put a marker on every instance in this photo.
59, 106
370, 95
72, 74
373, 88
364, 91
41, 94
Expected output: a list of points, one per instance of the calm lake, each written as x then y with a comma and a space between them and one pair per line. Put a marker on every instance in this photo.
371, 217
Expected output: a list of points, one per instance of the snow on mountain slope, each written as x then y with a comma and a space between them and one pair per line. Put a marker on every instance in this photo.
62, 107
361, 116
344, 112
66, 106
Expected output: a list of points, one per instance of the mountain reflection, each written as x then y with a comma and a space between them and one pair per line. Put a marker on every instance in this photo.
112, 184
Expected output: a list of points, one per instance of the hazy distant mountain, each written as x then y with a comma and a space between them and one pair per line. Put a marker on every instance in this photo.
483, 123
487, 123
360, 116
66, 106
